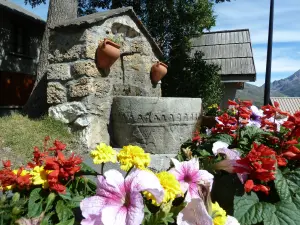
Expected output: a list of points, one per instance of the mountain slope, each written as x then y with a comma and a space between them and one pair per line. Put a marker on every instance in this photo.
255, 93
289, 86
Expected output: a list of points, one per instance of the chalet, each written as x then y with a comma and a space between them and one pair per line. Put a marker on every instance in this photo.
232, 51
20, 37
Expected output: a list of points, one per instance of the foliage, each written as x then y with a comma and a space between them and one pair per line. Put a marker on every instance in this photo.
19, 134
53, 189
262, 148
47, 191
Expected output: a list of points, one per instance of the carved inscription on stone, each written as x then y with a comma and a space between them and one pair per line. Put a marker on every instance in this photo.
155, 117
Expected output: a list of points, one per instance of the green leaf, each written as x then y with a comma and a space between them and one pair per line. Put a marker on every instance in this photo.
167, 218
67, 222
85, 169
50, 200
286, 214
282, 187
67, 195
63, 212
293, 179
223, 137
75, 202
35, 203
46, 219
248, 210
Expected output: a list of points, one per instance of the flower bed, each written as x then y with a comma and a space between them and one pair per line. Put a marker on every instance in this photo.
260, 148
247, 165
53, 189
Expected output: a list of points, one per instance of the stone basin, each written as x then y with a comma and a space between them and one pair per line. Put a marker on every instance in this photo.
158, 124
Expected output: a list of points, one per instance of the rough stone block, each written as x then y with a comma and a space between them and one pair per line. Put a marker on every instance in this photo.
94, 133
67, 112
67, 45
56, 93
83, 121
98, 106
102, 87
82, 87
128, 90
60, 71
85, 68
159, 125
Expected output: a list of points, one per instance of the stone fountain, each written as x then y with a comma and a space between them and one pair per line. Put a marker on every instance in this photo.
119, 106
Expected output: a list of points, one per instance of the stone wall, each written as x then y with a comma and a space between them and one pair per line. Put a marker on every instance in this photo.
79, 93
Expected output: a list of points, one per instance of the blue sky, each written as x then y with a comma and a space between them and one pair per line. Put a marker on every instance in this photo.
254, 14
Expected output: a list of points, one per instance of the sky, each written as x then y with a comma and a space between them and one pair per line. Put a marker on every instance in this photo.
253, 15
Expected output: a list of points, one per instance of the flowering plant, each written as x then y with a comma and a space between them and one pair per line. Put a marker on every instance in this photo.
47, 190
260, 148
52, 189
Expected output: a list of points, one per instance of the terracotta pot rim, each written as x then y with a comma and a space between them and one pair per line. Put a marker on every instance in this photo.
161, 63
109, 42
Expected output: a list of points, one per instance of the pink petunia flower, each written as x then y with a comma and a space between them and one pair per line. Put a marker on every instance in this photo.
118, 201
194, 213
189, 176
229, 164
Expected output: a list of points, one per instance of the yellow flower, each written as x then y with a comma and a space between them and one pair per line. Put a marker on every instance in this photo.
103, 154
23, 173
131, 156
218, 214
39, 176
170, 185
213, 106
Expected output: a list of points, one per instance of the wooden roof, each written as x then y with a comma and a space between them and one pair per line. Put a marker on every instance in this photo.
287, 104
231, 50
14, 8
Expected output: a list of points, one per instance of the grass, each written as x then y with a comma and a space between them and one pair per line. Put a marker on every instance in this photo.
19, 134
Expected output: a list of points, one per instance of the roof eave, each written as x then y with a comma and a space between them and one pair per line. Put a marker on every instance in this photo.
92, 18
232, 78
24, 14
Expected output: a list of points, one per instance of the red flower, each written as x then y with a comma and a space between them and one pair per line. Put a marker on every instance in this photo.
59, 188
249, 185
230, 102
261, 161
281, 161
6, 164
263, 188
58, 146
196, 137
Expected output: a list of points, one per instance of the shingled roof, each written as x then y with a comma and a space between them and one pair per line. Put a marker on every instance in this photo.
287, 104
232, 50
101, 16
14, 8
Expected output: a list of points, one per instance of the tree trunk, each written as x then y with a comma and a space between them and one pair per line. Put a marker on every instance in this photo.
58, 12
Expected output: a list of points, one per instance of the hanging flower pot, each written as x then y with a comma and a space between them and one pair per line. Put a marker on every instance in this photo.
158, 71
107, 53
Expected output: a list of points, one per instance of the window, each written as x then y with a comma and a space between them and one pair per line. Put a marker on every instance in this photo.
15, 88
20, 40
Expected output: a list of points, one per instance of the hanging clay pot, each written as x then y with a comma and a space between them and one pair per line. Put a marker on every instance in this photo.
158, 71
107, 53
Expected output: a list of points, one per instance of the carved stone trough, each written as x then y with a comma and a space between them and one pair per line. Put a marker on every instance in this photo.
158, 124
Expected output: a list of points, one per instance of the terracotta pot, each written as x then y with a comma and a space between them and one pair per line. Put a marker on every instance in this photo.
107, 53
158, 71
